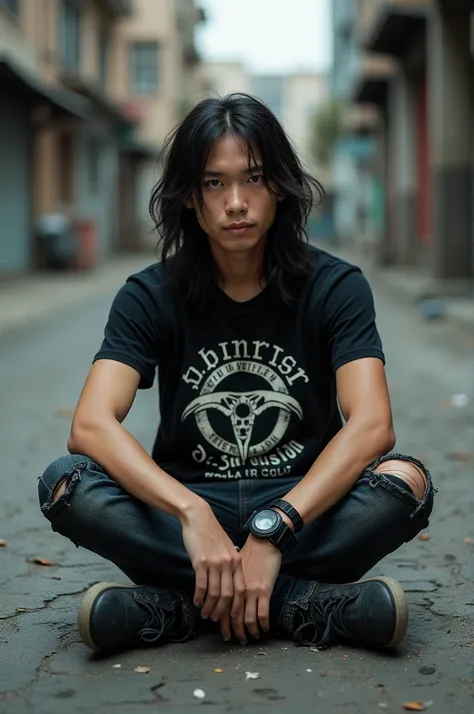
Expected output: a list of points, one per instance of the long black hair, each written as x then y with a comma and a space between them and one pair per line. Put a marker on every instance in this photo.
185, 252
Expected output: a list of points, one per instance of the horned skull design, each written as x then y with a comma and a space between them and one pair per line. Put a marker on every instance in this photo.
242, 408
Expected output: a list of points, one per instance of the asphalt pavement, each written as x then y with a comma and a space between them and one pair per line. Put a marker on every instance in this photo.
45, 669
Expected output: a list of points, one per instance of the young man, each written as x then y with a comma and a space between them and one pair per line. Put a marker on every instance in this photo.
270, 490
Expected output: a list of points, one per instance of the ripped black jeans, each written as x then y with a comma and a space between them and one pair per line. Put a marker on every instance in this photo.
375, 518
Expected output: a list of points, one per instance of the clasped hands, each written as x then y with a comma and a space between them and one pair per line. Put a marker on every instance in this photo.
245, 607
232, 588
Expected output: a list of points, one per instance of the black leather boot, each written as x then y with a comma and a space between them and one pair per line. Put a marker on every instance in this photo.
369, 613
115, 617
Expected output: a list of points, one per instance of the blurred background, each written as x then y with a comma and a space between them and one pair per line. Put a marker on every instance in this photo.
376, 94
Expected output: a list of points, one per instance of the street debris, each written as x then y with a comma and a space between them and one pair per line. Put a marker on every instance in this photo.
459, 400
2, 543
383, 705
309, 670
261, 654
142, 670
116, 666
416, 706
40, 561
468, 540
252, 675
65, 412
458, 455
21, 609
199, 693
425, 536
218, 670
313, 649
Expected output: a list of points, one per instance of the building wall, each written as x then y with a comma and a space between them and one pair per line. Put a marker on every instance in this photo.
154, 21
303, 94
221, 78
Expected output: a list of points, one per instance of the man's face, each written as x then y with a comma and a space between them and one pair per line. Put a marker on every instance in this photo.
238, 208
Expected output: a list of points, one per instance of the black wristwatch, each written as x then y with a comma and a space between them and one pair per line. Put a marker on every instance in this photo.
291, 512
269, 525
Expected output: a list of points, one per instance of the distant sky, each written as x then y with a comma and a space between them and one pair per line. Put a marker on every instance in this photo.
269, 36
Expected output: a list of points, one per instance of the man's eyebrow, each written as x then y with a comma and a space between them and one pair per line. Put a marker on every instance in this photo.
250, 170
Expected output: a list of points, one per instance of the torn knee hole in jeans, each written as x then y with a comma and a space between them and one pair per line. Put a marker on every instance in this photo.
395, 480
60, 493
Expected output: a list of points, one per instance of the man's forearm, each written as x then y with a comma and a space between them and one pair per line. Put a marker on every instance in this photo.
338, 467
127, 462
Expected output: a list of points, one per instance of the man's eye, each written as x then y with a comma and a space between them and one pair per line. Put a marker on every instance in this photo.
212, 183
256, 178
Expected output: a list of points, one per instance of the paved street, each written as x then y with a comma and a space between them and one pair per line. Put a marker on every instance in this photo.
44, 669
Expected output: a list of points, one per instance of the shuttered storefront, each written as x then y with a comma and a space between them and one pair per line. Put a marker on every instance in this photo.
15, 189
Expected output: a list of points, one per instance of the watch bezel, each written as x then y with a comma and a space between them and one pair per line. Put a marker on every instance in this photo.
268, 532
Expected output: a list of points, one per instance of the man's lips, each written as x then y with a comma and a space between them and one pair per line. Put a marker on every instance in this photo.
239, 226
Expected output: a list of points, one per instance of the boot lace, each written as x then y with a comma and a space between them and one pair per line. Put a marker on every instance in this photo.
161, 620
323, 620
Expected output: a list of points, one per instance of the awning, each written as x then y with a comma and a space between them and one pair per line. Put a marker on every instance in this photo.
395, 27
140, 149
17, 81
94, 96
374, 76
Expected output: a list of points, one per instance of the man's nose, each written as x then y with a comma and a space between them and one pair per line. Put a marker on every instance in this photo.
236, 201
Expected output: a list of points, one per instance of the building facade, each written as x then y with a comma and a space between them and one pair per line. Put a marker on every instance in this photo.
425, 138
88, 91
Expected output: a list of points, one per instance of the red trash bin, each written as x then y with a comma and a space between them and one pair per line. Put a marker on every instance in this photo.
87, 244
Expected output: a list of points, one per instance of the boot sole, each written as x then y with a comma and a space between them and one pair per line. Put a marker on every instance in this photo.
401, 608
87, 603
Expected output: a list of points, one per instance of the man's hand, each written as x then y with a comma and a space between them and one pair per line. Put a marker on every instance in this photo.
261, 563
219, 579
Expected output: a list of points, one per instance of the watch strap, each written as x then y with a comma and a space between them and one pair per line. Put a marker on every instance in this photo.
291, 512
285, 540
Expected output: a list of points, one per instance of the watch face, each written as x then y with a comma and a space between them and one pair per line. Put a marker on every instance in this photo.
266, 521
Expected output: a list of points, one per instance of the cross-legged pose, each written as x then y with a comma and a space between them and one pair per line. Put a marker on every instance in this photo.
270, 489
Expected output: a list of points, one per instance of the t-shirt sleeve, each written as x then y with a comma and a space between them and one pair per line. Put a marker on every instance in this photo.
349, 321
131, 332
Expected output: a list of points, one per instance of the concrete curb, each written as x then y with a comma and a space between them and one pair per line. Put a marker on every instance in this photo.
30, 300
413, 288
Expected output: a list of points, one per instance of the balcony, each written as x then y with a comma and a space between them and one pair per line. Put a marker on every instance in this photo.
375, 72
117, 8
395, 25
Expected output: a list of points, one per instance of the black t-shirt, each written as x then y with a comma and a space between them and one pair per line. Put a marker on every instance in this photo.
247, 390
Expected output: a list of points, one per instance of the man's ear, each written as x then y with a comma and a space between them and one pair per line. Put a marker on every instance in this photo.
189, 203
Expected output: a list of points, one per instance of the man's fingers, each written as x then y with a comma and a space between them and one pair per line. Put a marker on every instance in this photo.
201, 585
238, 626
226, 630
239, 591
213, 592
250, 616
226, 595
263, 613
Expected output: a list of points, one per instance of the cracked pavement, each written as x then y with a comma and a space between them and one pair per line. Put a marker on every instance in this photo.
44, 668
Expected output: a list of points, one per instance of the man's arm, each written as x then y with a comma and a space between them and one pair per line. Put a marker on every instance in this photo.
97, 432
367, 434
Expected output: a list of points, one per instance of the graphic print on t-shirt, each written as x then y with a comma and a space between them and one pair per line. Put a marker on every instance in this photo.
244, 407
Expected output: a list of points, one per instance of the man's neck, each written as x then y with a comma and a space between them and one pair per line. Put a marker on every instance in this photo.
240, 273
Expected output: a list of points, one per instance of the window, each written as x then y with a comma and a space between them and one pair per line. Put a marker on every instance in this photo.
11, 5
144, 68
103, 51
70, 35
